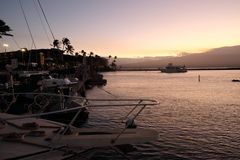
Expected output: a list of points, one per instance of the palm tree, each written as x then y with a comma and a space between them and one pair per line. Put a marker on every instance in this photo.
113, 65
109, 58
4, 29
91, 54
115, 60
69, 49
83, 52
65, 42
56, 44
67, 45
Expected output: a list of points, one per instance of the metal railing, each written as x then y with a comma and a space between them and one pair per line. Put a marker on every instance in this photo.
139, 104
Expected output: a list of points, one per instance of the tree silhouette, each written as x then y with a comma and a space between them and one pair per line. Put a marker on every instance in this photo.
69, 49
67, 46
91, 54
56, 44
4, 29
112, 65
83, 52
65, 42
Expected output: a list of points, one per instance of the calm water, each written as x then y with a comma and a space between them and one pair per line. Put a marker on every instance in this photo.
195, 120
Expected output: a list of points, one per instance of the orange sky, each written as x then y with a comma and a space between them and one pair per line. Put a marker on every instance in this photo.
126, 28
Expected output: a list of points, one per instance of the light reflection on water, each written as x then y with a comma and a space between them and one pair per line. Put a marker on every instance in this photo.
195, 120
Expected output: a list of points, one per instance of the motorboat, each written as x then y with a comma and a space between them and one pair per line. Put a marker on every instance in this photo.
170, 68
36, 80
30, 137
236, 80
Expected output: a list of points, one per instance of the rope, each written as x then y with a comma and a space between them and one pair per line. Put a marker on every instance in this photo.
27, 24
120, 152
46, 19
44, 28
16, 43
124, 129
132, 110
108, 92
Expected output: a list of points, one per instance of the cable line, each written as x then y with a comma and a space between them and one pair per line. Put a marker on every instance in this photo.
44, 28
46, 19
16, 43
27, 24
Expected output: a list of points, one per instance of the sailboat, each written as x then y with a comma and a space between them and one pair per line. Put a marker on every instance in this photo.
33, 138
35, 89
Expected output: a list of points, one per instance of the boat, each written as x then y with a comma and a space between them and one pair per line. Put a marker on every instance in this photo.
35, 138
35, 80
37, 92
40, 102
97, 79
170, 68
236, 80
4, 80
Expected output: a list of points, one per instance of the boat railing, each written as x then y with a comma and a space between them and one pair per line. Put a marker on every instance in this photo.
83, 102
137, 107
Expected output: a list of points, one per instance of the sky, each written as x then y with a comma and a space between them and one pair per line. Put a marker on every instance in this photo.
124, 28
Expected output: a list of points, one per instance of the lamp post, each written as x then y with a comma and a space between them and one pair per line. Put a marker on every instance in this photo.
5, 46
23, 50
5, 53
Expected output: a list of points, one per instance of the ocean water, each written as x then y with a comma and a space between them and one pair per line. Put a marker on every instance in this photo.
195, 120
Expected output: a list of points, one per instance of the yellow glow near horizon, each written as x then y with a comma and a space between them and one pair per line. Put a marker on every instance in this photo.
133, 29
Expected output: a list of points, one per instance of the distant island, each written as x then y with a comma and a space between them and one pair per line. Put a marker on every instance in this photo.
217, 58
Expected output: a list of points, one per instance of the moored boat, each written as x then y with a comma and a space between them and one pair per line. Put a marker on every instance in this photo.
38, 92
32, 103
170, 68
236, 80
31, 138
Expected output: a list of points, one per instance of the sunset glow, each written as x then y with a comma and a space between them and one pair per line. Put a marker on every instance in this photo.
126, 28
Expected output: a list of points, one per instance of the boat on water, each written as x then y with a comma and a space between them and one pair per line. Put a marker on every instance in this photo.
35, 80
4, 80
33, 138
40, 102
236, 80
37, 92
170, 68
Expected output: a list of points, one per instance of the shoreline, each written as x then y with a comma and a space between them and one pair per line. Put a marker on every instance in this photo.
157, 69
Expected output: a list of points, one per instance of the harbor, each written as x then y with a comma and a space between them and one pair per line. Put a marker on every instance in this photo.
119, 80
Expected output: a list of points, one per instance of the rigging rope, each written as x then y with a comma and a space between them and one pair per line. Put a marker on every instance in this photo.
16, 43
46, 19
27, 24
44, 28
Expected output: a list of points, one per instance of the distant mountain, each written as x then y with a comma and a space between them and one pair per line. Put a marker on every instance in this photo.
218, 57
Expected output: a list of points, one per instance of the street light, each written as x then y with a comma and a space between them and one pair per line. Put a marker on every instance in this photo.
23, 50
5, 46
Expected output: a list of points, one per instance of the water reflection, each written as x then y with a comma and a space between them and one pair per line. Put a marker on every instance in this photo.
195, 120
